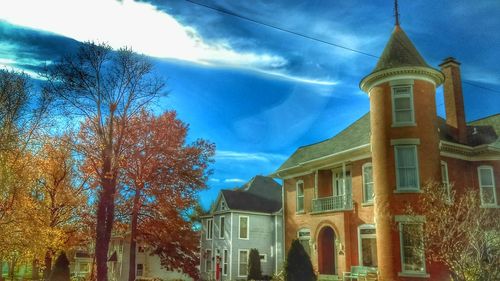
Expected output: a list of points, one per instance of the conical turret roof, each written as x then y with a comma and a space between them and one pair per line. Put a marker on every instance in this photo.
399, 52
400, 58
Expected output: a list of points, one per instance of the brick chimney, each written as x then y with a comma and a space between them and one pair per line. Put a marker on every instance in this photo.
453, 99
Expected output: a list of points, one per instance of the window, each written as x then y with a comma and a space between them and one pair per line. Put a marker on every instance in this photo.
140, 249
406, 167
243, 263
412, 247
210, 229
140, 269
263, 257
402, 105
208, 260
487, 185
243, 227
445, 181
367, 183
224, 262
222, 205
367, 245
304, 236
221, 227
300, 196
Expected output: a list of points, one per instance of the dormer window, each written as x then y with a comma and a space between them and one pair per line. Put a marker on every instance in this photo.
402, 105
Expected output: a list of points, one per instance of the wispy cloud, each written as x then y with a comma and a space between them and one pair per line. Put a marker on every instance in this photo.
214, 180
245, 156
143, 27
233, 180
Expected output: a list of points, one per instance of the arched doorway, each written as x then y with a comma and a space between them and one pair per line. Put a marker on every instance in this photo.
326, 251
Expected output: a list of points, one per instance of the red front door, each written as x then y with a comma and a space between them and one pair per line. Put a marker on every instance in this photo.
326, 253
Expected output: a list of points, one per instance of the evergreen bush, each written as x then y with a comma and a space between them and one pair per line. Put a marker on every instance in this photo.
254, 269
60, 271
298, 265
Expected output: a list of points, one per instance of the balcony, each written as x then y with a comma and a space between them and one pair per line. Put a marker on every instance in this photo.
332, 203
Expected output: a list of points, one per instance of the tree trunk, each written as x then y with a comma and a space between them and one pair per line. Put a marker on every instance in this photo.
133, 235
48, 265
12, 268
105, 216
34, 270
1, 268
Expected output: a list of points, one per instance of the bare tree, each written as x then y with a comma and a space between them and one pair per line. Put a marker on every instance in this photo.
459, 233
106, 88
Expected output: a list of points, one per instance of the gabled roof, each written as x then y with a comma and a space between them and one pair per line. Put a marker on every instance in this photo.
482, 131
399, 52
260, 194
357, 134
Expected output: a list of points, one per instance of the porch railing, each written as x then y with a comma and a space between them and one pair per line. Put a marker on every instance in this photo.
333, 203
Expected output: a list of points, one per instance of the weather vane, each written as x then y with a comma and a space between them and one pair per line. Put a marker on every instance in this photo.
396, 14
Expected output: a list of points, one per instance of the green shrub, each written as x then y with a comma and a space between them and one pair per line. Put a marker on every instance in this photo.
298, 265
254, 270
60, 271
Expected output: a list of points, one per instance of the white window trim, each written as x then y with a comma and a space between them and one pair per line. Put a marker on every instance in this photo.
412, 121
226, 258
414, 189
239, 261
409, 273
248, 227
363, 200
222, 227
360, 251
264, 259
490, 168
297, 197
446, 181
209, 229
208, 259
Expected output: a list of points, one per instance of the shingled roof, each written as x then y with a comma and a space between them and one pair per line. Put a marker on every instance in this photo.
260, 194
357, 134
483, 131
399, 52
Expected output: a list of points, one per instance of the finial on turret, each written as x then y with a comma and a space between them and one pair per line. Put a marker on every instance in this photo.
396, 12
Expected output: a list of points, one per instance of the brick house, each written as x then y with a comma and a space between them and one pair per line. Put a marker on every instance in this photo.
343, 196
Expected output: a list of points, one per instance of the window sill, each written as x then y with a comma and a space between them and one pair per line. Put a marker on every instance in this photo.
398, 125
367, 204
408, 191
300, 213
414, 274
487, 206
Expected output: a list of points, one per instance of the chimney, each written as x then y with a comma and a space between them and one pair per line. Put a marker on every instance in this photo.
453, 99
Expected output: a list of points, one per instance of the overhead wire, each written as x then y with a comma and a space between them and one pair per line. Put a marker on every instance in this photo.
234, 14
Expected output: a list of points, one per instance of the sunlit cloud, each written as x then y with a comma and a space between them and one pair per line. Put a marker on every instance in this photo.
140, 26
245, 156
233, 180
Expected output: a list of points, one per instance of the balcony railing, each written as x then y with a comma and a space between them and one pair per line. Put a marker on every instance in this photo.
333, 203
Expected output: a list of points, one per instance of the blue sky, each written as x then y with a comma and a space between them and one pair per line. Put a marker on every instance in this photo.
257, 92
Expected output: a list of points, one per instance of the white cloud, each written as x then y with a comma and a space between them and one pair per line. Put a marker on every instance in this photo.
245, 156
234, 180
140, 26
214, 180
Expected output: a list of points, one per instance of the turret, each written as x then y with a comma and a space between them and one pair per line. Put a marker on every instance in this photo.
402, 90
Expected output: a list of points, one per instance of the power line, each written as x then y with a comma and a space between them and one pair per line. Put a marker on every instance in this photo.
227, 12
481, 87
